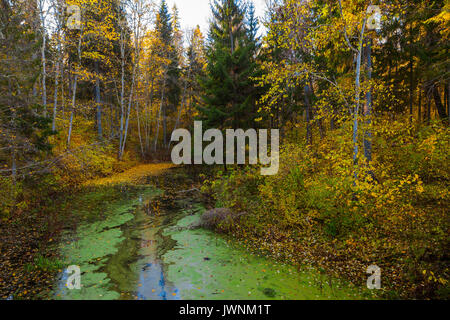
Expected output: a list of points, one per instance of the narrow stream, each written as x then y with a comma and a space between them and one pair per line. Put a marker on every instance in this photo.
128, 250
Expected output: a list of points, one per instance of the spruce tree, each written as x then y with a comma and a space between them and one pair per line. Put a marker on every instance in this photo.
228, 100
196, 63
177, 34
170, 83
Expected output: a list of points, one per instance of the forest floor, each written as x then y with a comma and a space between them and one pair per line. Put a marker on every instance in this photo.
25, 264
135, 175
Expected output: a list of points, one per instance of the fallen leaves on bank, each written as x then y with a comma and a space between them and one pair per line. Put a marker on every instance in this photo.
136, 175
23, 275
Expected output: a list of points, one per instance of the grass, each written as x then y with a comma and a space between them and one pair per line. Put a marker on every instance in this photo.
45, 264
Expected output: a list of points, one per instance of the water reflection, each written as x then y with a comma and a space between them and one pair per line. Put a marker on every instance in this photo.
131, 269
153, 285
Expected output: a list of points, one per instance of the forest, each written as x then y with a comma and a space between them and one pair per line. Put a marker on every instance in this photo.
92, 90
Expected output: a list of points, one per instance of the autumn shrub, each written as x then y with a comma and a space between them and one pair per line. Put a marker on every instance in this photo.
88, 157
323, 209
78, 167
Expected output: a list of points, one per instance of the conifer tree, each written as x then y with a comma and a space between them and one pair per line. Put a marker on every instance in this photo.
228, 86
196, 65
170, 96
177, 34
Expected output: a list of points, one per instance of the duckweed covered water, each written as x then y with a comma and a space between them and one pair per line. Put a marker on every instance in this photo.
127, 252
106, 249
208, 266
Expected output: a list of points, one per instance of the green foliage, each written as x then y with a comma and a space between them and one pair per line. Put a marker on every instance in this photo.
166, 33
230, 96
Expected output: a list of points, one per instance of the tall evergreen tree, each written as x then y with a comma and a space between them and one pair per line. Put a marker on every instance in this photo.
170, 82
177, 34
196, 65
228, 86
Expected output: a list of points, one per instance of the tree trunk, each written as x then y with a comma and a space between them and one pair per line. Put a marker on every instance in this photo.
368, 106
356, 112
74, 93
98, 103
308, 116
438, 102
58, 70
127, 121
164, 126
74, 90
62, 75
55, 102
357, 99
448, 102
130, 101
159, 113
122, 93
411, 75
13, 149
419, 108
446, 99
148, 121
139, 129
44, 63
